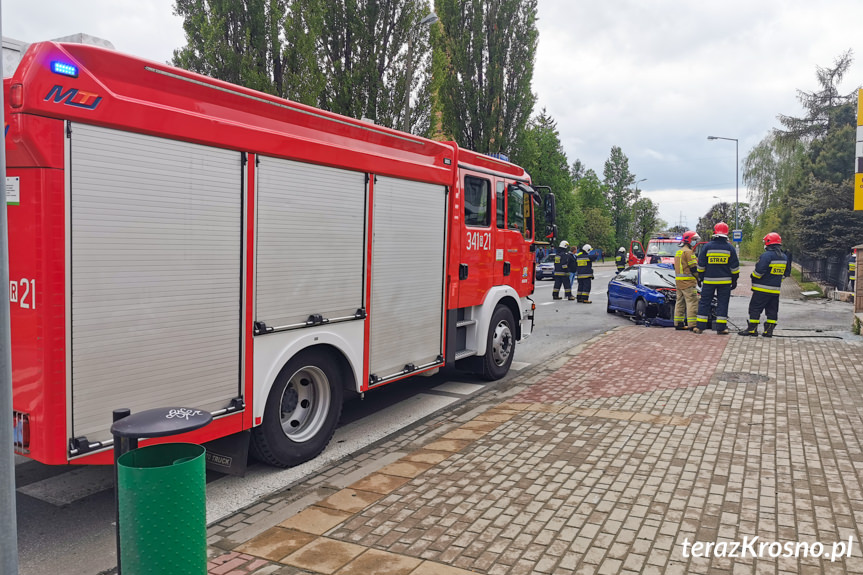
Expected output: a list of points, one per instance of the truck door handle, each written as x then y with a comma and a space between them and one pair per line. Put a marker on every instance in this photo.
462, 271
506, 268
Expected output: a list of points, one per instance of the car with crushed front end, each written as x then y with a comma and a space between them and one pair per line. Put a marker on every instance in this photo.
647, 292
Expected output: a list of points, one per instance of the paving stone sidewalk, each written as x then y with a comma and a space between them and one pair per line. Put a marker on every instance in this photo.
587, 465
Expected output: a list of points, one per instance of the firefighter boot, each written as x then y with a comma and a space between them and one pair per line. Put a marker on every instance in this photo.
768, 330
570, 297
555, 295
751, 330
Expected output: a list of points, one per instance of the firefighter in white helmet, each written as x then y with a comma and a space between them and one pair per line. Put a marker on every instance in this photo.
562, 263
620, 259
584, 273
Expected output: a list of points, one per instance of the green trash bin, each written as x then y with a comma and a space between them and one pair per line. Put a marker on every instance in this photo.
163, 510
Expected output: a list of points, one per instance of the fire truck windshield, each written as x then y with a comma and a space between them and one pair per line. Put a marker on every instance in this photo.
664, 248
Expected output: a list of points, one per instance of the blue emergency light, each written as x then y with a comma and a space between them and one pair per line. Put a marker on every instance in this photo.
64, 69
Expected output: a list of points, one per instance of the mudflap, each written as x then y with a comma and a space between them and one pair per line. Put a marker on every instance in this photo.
229, 455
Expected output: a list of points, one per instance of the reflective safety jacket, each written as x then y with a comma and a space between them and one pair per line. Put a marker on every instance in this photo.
562, 260
769, 271
718, 263
620, 260
685, 267
852, 267
584, 265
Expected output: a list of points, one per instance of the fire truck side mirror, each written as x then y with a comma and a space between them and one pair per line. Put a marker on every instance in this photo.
550, 209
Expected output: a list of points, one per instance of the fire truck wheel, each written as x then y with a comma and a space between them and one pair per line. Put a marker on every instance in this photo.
302, 410
500, 347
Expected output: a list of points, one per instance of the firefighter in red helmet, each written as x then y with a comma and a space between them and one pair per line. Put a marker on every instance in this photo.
719, 268
766, 285
686, 280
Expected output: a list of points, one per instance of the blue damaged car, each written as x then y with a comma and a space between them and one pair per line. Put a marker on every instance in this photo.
646, 291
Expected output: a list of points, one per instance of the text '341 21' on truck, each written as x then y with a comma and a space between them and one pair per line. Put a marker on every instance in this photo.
160, 225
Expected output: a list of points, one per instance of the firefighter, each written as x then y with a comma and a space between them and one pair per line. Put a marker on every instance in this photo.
620, 260
719, 268
562, 261
686, 279
766, 285
852, 269
584, 273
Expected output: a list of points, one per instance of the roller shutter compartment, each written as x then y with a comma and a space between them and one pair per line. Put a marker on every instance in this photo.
310, 238
407, 276
156, 229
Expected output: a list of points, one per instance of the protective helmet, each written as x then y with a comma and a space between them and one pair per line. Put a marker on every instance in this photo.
564, 244
587, 247
721, 229
621, 249
772, 239
690, 238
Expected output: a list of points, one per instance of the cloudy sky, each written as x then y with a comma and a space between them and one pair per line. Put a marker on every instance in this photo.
654, 77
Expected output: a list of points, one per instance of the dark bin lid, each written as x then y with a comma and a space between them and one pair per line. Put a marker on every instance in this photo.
161, 422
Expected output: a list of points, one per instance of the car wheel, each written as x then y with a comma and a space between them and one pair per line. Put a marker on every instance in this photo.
500, 346
640, 309
301, 412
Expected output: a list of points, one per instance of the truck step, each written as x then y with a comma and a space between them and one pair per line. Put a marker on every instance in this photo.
464, 353
465, 323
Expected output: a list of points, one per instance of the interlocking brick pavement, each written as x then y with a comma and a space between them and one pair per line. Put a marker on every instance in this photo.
591, 465
627, 364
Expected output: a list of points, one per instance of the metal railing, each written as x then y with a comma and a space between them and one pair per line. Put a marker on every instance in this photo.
832, 271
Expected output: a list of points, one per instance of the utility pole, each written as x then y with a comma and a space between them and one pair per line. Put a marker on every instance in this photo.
8, 519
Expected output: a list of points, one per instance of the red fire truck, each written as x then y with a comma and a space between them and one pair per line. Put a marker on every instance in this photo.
161, 226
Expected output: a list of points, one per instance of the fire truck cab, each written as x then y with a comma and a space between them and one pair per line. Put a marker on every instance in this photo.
177, 240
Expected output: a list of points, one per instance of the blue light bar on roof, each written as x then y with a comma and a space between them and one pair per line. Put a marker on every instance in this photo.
64, 69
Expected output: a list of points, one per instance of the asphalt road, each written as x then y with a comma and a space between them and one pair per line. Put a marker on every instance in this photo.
66, 514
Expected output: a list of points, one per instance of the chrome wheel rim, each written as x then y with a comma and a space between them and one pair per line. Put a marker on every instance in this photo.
501, 344
304, 404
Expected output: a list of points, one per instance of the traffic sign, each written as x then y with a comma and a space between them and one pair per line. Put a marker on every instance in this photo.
737, 235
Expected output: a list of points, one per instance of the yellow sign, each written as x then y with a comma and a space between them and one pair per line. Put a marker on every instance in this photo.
858, 191
859, 109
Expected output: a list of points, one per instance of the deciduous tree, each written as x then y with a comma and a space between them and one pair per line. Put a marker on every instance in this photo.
233, 40
484, 59
351, 57
541, 154
619, 192
645, 219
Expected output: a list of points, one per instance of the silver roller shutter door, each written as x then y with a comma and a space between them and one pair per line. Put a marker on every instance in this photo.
406, 311
156, 244
310, 242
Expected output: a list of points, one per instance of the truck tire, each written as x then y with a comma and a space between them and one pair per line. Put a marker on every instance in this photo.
302, 411
500, 346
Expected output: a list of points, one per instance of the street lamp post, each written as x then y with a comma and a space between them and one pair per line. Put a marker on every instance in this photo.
736, 176
427, 21
638, 182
